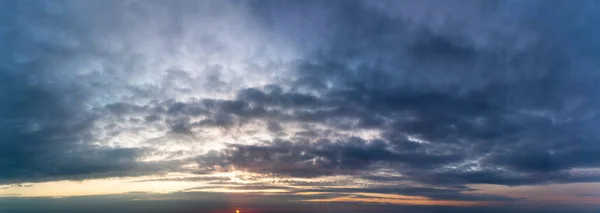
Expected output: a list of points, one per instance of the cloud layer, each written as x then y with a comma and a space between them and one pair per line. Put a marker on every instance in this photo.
439, 95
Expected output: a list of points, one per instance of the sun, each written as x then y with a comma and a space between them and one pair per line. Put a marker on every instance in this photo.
237, 211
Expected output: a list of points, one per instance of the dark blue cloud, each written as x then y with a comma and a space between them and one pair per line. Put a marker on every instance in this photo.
486, 92
518, 108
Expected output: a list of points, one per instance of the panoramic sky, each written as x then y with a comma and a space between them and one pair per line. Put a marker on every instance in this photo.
262, 106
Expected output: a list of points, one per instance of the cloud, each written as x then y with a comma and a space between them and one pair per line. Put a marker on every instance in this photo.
419, 91
75, 77
512, 113
323, 157
274, 127
463, 140
437, 194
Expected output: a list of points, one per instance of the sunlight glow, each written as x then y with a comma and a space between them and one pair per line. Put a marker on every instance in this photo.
428, 202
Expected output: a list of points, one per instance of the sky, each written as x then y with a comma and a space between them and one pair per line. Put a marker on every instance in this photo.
264, 106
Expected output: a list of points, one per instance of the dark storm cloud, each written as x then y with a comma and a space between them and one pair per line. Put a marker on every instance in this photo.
453, 134
45, 120
39, 122
517, 109
44, 138
42, 133
510, 146
323, 157
274, 127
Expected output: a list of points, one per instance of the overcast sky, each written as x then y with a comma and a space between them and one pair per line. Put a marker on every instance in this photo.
299, 106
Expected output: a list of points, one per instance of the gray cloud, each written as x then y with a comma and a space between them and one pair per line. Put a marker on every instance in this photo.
513, 113
444, 95
74, 75
325, 157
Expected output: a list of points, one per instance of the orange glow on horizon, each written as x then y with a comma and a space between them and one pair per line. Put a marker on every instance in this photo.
427, 202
